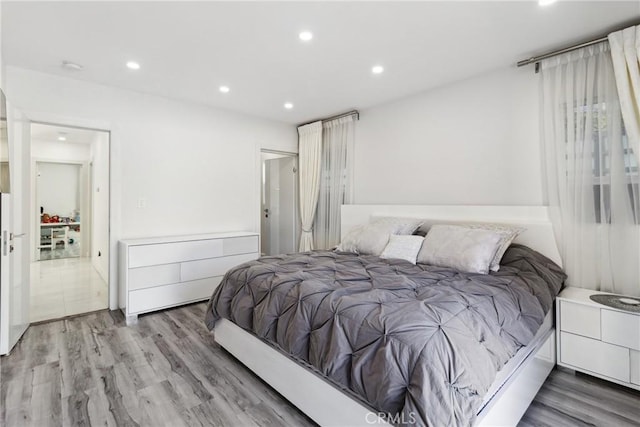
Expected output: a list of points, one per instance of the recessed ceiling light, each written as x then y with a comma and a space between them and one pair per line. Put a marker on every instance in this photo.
62, 138
546, 2
132, 65
288, 105
224, 89
377, 69
305, 36
71, 66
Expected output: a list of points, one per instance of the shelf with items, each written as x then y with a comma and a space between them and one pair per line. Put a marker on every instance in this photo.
58, 235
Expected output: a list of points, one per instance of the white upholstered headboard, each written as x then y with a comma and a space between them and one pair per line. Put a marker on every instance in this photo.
538, 235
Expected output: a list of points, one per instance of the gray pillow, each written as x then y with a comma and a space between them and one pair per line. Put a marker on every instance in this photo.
469, 250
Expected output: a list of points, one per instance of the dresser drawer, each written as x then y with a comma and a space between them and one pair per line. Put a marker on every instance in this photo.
621, 329
203, 268
240, 245
156, 275
167, 253
595, 356
580, 319
159, 297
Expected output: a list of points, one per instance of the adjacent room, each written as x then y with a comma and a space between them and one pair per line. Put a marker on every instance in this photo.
320, 213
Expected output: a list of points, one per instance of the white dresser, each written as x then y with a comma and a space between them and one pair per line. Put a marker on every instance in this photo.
597, 339
161, 272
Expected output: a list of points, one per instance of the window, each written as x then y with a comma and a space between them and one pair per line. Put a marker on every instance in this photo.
606, 153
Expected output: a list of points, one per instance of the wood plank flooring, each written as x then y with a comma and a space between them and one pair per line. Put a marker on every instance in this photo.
568, 399
167, 371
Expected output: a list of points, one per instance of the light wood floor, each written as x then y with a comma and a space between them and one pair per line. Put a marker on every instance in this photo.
168, 371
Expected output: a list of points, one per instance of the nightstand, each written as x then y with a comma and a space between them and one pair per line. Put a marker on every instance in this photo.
596, 339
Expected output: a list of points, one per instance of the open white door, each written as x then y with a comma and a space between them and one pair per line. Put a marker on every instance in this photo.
14, 248
279, 223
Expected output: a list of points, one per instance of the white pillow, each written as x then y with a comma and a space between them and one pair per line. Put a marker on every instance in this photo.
366, 239
372, 238
465, 249
403, 247
508, 233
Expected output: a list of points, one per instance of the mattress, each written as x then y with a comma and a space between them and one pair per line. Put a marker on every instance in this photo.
421, 341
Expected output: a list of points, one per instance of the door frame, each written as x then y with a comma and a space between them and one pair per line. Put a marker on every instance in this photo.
115, 184
259, 189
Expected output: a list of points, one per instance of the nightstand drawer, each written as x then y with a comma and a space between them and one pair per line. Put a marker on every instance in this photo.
580, 319
595, 356
621, 329
635, 367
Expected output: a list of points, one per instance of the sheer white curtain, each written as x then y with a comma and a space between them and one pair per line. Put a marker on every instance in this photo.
592, 171
625, 54
309, 158
335, 182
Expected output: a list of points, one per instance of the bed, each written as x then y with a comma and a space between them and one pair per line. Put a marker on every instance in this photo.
357, 340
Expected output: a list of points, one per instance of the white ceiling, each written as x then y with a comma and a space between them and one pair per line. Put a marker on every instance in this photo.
42, 132
187, 50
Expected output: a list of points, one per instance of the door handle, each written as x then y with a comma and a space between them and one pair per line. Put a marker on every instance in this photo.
20, 235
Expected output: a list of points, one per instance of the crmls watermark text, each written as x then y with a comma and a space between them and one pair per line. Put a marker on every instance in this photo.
400, 418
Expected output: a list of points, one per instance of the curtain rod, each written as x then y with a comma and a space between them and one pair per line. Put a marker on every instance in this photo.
560, 52
600, 39
337, 116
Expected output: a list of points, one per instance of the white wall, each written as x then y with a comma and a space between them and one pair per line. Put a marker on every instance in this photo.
473, 142
194, 168
60, 151
99, 218
59, 188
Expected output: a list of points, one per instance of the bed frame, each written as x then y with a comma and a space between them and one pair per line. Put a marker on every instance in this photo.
508, 398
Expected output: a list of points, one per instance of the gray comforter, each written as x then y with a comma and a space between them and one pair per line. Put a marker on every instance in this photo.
419, 342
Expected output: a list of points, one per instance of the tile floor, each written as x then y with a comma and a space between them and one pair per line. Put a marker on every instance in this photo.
72, 251
63, 287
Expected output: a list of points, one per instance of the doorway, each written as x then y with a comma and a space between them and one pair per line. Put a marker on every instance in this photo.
279, 221
69, 221
59, 188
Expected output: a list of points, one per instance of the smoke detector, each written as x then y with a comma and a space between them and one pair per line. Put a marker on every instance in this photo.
72, 66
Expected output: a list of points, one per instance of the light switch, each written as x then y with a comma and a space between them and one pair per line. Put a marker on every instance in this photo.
142, 203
